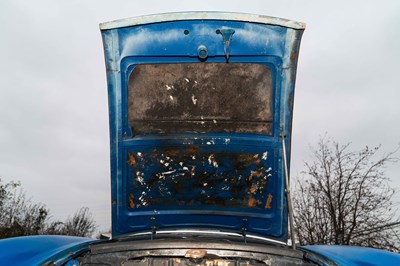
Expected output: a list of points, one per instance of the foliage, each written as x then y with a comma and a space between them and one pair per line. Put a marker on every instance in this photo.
21, 217
345, 198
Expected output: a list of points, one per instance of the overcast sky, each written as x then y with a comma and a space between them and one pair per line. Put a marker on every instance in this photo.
53, 94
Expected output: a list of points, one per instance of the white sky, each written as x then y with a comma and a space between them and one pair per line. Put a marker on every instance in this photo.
53, 94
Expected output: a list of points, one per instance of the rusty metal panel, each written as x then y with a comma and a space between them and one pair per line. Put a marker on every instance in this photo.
193, 177
214, 97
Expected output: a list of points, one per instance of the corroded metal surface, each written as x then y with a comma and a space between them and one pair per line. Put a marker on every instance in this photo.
192, 251
191, 177
196, 253
170, 98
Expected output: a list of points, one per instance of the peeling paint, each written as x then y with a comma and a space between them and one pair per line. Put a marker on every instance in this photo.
168, 172
227, 141
194, 100
252, 202
131, 159
264, 156
181, 172
269, 201
131, 201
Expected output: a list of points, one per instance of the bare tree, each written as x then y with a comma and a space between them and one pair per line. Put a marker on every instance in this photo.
345, 198
81, 224
19, 216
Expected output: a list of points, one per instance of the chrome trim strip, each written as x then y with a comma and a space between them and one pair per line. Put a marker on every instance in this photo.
210, 232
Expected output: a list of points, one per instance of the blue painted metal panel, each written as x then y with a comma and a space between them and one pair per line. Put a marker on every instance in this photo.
37, 250
128, 45
200, 15
356, 256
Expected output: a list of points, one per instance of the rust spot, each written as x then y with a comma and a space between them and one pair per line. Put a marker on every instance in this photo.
253, 188
154, 154
269, 200
256, 174
293, 55
192, 150
172, 151
131, 201
246, 159
252, 202
131, 159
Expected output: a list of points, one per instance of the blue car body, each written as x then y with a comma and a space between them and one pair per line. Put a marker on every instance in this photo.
165, 110
355, 256
200, 107
38, 250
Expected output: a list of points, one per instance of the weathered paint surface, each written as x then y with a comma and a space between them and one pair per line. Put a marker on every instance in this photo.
192, 177
200, 98
182, 160
202, 16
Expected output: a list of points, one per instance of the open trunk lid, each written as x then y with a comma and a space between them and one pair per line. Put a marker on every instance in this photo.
198, 103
